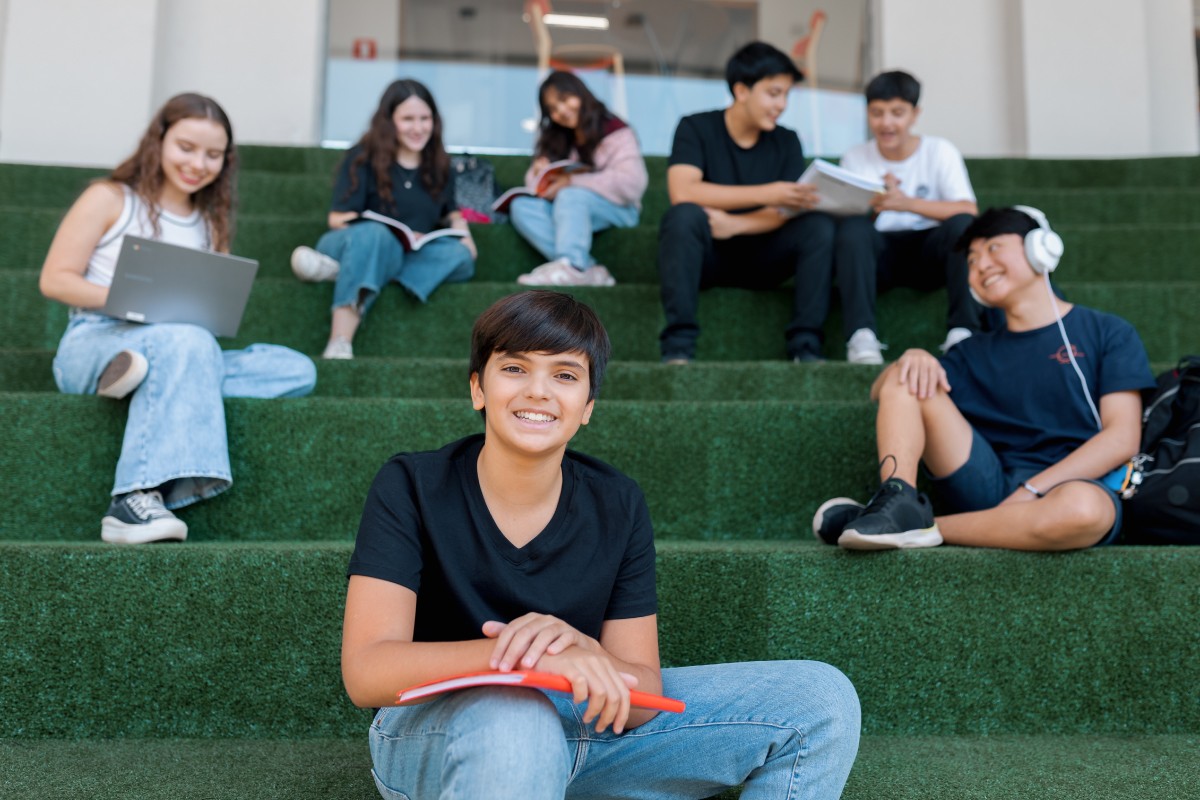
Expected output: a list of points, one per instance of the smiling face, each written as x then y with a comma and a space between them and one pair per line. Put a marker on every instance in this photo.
414, 126
533, 403
890, 122
561, 107
193, 155
765, 101
998, 268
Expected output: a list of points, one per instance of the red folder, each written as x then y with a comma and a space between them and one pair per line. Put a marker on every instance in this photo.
533, 680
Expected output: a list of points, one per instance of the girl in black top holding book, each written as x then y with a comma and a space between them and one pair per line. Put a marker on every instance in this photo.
399, 169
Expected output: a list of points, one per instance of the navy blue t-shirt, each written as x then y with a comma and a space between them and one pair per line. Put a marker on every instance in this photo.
703, 141
426, 526
411, 204
1019, 390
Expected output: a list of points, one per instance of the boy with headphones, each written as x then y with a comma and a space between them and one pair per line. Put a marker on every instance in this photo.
1018, 427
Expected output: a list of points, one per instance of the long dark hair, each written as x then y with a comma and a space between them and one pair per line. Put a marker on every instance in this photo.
555, 141
142, 171
380, 143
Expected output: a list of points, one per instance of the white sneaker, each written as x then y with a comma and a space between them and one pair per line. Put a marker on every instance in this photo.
339, 349
123, 374
559, 272
864, 348
314, 267
953, 337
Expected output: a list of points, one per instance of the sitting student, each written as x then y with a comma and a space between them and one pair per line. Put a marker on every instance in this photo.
399, 169
1006, 423
177, 188
560, 221
507, 551
731, 176
929, 202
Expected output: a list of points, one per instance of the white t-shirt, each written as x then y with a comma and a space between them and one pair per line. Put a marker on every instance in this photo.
189, 231
935, 171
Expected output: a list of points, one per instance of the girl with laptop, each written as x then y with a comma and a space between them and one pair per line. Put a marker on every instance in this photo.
601, 188
398, 170
177, 187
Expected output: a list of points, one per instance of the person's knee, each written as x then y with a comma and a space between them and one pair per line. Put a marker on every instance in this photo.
684, 219
854, 231
570, 197
1082, 514
832, 698
192, 345
954, 227
510, 732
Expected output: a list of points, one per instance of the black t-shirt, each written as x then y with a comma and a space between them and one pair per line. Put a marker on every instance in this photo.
703, 141
411, 203
1019, 390
426, 526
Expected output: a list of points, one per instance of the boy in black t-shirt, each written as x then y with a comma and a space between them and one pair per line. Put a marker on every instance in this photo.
506, 551
732, 182
1024, 430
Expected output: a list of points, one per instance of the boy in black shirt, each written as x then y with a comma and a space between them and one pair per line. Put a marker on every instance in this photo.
732, 182
506, 551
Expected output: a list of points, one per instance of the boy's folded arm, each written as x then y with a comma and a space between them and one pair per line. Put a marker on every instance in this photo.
1114, 444
686, 184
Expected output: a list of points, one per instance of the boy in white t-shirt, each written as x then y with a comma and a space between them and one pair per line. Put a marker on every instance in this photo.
909, 240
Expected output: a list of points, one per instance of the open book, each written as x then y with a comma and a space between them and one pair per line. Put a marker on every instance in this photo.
409, 238
541, 182
532, 680
842, 192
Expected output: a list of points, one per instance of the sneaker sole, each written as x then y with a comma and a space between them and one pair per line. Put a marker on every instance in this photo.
828, 504
123, 374
113, 531
905, 540
314, 272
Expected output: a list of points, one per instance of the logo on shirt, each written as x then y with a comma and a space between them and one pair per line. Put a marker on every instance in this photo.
922, 191
1060, 355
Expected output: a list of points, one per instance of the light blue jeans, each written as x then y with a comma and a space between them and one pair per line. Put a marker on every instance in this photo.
784, 729
563, 227
371, 257
175, 432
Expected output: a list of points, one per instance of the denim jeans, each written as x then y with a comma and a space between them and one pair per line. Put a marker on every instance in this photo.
175, 431
563, 227
371, 257
784, 729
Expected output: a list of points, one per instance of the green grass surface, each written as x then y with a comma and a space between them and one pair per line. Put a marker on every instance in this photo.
241, 641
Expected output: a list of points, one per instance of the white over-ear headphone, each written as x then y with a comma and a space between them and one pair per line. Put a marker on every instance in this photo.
1043, 247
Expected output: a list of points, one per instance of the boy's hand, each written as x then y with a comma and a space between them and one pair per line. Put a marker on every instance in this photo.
520, 644
891, 198
596, 679
922, 373
723, 224
791, 195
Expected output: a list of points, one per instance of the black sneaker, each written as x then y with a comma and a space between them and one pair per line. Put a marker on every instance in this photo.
833, 516
897, 517
140, 517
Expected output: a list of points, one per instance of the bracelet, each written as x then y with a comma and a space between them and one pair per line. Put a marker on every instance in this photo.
1030, 488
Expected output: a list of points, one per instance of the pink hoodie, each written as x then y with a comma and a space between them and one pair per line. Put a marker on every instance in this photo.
619, 173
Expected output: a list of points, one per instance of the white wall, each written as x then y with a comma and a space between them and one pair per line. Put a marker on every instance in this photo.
374, 19
839, 55
262, 61
74, 79
1172, 49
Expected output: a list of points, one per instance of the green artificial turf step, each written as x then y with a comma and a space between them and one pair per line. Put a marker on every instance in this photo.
736, 324
301, 467
1112, 252
887, 768
242, 641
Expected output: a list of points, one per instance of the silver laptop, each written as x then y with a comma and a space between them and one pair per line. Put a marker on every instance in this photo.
159, 282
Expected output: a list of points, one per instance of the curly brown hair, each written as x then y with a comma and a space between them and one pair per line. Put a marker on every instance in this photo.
380, 144
142, 171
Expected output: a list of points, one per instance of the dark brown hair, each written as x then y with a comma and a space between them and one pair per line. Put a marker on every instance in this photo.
555, 141
380, 143
541, 321
142, 171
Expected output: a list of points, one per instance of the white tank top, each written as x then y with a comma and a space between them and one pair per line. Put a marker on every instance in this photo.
189, 231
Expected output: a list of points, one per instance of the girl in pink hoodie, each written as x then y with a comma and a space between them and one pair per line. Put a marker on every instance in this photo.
602, 190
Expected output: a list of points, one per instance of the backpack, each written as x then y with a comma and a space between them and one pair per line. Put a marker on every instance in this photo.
1162, 498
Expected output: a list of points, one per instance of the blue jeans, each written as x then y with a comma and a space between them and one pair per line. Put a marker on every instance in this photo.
175, 431
786, 729
371, 257
563, 227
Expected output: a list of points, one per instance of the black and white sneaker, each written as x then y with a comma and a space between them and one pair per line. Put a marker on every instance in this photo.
897, 517
140, 517
832, 518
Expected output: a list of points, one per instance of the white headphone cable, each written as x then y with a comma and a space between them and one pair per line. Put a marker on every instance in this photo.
1071, 352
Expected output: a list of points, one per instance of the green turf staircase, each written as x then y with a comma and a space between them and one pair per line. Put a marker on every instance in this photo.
211, 669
